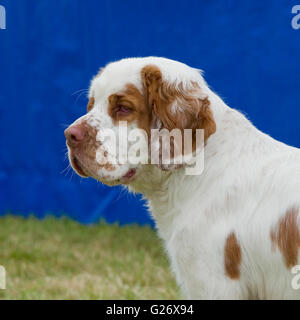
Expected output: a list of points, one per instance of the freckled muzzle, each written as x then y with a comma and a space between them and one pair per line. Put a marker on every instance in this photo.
82, 146
85, 151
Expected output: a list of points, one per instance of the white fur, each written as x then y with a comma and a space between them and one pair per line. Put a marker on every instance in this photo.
249, 181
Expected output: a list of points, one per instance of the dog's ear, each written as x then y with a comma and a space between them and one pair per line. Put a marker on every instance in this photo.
177, 105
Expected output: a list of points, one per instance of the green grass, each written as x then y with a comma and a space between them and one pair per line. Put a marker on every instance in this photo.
61, 259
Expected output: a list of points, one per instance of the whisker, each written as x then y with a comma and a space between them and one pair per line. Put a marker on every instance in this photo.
72, 175
122, 192
79, 96
67, 168
78, 91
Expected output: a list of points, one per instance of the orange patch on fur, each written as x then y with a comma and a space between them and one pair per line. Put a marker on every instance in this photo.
287, 237
194, 113
134, 100
232, 257
90, 105
175, 107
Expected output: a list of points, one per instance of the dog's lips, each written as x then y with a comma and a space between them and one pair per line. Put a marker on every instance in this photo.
84, 171
78, 167
130, 174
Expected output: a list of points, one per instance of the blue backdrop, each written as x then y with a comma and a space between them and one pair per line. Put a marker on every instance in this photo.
51, 49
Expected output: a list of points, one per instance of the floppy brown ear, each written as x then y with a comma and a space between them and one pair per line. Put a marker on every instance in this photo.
174, 106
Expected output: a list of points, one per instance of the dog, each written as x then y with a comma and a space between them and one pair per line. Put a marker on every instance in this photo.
232, 231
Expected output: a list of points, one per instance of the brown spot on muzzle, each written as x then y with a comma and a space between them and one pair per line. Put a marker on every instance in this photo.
232, 257
86, 151
286, 236
90, 145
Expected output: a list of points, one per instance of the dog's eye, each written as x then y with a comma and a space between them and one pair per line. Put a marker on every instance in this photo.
122, 110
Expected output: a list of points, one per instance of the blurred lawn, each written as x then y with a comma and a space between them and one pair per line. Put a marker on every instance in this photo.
60, 259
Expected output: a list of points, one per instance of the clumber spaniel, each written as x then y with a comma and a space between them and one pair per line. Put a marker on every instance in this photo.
231, 231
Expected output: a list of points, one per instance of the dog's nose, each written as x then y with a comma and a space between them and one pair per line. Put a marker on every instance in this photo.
75, 135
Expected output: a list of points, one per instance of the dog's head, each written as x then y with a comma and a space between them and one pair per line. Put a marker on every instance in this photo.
128, 100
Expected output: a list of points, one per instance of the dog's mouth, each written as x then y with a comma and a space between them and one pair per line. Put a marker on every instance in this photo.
84, 171
78, 167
